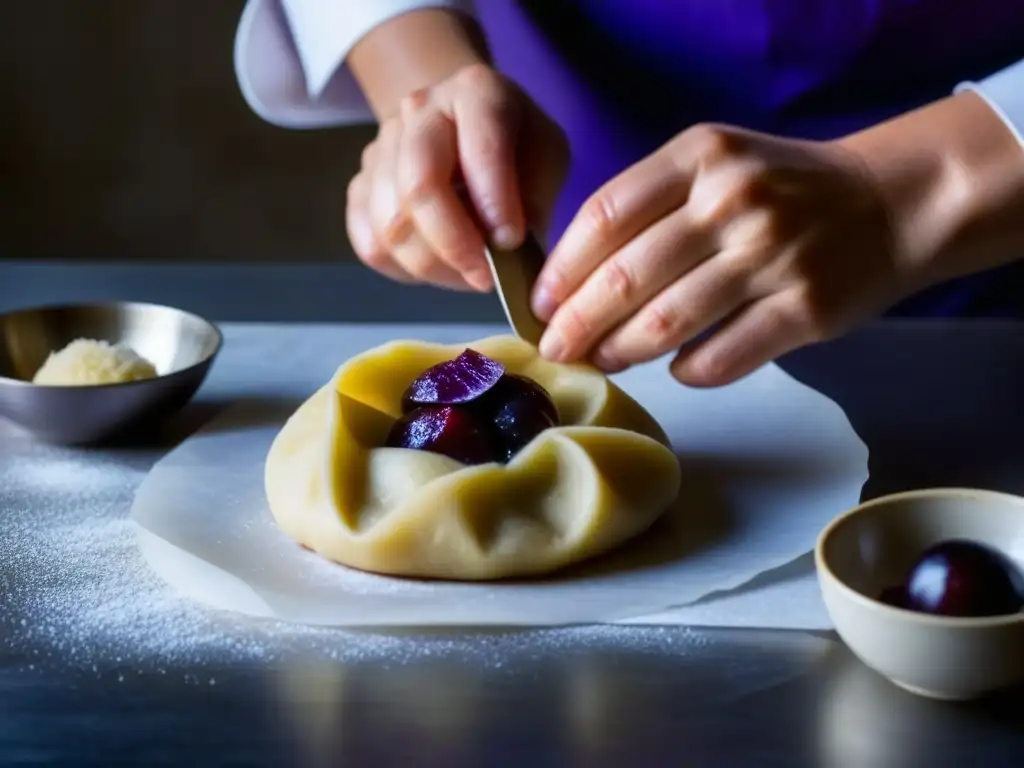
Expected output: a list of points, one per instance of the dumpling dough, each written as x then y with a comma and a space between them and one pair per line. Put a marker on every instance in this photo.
574, 492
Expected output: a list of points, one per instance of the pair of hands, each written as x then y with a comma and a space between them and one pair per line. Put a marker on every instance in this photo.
729, 246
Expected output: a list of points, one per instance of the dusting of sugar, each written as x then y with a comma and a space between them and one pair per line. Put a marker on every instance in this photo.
76, 591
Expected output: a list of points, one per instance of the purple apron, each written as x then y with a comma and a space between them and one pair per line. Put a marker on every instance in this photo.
624, 76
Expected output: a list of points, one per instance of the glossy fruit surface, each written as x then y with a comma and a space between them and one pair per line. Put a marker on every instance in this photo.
470, 409
519, 410
453, 382
963, 578
451, 431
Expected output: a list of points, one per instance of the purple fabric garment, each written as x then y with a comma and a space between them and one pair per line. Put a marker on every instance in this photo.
624, 76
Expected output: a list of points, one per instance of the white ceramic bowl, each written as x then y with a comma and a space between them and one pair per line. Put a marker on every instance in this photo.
872, 546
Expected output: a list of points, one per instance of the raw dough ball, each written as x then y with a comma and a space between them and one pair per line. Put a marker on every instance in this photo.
575, 491
86, 362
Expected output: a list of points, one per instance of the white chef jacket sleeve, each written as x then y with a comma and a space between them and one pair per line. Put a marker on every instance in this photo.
1004, 92
290, 54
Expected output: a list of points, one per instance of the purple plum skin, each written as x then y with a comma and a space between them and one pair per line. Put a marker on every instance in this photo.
447, 430
453, 382
519, 409
963, 579
471, 410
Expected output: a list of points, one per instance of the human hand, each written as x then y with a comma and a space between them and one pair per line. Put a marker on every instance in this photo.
469, 159
768, 243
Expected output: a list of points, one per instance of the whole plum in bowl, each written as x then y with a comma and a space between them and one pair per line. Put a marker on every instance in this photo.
925, 587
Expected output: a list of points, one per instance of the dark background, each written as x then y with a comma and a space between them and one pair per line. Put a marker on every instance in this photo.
123, 136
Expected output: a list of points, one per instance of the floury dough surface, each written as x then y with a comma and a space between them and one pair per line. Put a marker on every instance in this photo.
576, 491
87, 362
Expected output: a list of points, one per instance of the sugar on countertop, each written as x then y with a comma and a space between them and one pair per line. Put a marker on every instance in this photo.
75, 588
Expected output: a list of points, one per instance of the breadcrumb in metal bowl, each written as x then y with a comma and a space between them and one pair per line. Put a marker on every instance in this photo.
85, 362
85, 373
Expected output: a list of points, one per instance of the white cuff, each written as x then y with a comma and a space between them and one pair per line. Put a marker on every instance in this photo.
289, 56
1004, 92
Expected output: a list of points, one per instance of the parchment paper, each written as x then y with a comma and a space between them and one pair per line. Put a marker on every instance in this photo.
767, 463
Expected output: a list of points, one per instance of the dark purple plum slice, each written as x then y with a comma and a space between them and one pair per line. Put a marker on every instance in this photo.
520, 409
964, 578
516, 424
449, 431
453, 382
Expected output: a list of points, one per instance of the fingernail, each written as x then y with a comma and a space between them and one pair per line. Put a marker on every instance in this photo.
506, 236
480, 279
552, 345
607, 362
544, 304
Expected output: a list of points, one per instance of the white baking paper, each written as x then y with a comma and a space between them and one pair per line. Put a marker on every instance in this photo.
767, 463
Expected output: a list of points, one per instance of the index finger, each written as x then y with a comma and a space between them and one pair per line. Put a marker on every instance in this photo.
487, 120
428, 161
615, 214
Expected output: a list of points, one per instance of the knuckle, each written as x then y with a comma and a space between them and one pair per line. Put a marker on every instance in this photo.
618, 281
751, 190
420, 170
713, 215
776, 227
737, 275
575, 325
748, 194
422, 265
601, 214
414, 101
396, 231
662, 323
417, 184
477, 76
713, 141
391, 228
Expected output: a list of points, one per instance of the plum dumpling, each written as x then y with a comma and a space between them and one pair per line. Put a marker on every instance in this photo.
469, 462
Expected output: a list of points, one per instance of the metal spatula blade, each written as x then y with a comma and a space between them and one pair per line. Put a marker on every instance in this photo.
514, 273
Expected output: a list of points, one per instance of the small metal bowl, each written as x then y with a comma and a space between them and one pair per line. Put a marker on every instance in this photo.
180, 345
872, 546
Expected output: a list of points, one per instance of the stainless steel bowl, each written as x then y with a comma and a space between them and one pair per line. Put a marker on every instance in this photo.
181, 346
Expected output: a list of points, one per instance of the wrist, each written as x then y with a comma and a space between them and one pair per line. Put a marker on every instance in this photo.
951, 176
416, 50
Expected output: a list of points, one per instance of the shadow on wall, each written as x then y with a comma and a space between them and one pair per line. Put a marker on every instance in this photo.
124, 137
